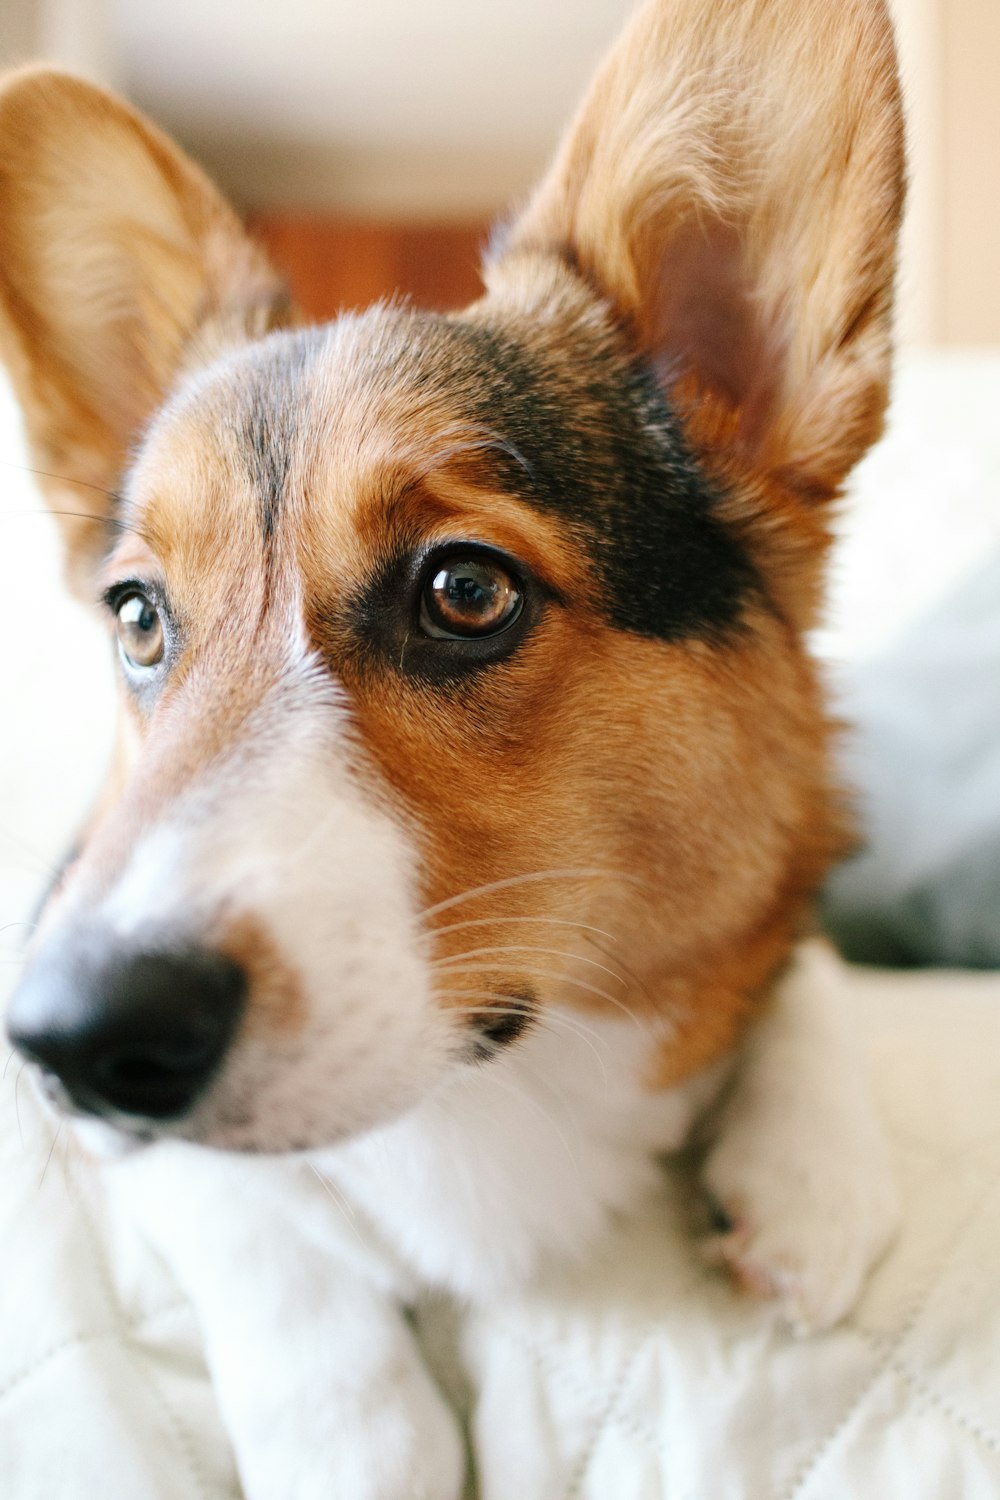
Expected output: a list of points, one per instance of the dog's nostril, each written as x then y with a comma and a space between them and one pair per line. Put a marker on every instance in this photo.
156, 1078
158, 1081
131, 1066
137, 1034
137, 1068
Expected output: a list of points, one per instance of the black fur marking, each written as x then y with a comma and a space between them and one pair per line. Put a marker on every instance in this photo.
571, 421
268, 421
500, 1025
720, 1222
601, 448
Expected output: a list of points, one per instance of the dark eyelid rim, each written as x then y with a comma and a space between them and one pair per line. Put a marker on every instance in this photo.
383, 617
115, 593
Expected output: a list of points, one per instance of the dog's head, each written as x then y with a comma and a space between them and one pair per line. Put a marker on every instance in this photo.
461, 656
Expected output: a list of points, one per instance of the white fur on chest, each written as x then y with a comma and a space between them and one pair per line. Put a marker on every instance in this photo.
520, 1159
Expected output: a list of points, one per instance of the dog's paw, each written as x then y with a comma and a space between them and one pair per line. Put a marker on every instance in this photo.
801, 1172
800, 1239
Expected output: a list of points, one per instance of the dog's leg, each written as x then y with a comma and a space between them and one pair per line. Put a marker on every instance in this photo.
318, 1379
800, 1168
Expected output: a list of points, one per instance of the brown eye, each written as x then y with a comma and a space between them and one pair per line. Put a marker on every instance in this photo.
466, 598
140, 631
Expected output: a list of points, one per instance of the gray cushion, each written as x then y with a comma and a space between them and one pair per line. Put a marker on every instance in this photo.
925, 757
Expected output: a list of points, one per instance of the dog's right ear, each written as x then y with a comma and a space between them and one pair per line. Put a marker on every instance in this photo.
733, 185
120, 264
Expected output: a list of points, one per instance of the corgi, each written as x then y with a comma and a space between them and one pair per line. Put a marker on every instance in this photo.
474, 778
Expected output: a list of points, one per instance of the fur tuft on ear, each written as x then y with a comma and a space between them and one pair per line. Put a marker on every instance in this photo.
119, 264
734, 184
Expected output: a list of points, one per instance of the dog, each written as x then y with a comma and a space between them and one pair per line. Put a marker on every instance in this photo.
474, 778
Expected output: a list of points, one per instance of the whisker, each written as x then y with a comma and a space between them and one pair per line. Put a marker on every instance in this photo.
588, 927
51, 1149
580, 984
626, 969
470, 438
458, 958
84, 484
68, 1147
17, 1103
551, 921
495, 1006
23, 923
542, 1016
334, 1190
116, 522
336, 1197
75, 515
511, 881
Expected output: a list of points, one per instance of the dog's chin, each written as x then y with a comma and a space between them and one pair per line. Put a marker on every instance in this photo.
102, 1140
256, 1138
112, 1139
223, 1126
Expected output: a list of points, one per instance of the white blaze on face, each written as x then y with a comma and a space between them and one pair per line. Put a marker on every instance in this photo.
280, 835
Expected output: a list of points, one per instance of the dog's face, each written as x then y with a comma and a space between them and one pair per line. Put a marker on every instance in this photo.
461, 656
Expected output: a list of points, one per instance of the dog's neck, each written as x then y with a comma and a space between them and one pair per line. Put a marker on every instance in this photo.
522, 1160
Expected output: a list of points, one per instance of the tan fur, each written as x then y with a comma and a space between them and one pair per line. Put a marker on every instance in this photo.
732, 193
735, 184
118, 256
279, 1004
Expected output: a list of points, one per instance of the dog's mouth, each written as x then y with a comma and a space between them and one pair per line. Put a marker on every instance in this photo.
105, 1135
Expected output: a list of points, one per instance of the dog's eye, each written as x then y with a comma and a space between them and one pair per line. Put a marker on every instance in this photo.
467, 598
140, 631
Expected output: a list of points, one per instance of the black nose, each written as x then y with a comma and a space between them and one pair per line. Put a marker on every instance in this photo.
128, 1033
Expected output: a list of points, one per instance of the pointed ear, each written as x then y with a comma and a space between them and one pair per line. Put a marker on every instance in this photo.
733, 183
119, 264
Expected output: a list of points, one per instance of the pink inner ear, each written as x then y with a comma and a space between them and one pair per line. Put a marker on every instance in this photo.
706, 321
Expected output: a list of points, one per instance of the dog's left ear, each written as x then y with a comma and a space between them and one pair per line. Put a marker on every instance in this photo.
120, 264
734, 184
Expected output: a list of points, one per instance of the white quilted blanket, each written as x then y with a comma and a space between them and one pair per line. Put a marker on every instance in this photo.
642, 1376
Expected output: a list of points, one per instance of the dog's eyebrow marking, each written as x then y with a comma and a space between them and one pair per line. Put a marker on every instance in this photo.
573, 422
469, 438
270, 419
601, 448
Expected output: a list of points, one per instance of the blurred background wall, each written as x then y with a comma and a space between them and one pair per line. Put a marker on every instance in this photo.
387, 134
